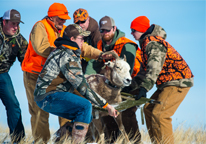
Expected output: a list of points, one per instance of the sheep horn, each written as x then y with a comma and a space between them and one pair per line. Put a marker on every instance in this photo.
113, 53
125, 58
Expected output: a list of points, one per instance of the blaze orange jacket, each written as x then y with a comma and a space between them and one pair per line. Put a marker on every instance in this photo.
174, 67
33, 62
118, 48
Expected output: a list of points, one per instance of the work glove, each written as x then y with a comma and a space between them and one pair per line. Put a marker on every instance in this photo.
108, 55
142, 93
126, 89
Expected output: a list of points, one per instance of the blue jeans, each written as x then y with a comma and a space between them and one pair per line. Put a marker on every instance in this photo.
67, 105
13, 111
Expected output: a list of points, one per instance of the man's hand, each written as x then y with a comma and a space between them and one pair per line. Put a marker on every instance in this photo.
142, 93
108, 54
112, 111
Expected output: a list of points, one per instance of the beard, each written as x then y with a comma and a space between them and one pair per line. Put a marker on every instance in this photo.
59, 27
108, 37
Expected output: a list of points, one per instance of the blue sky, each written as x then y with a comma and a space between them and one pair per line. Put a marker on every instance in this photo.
184, 22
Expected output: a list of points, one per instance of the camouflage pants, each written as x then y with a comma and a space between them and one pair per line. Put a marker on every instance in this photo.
158, 116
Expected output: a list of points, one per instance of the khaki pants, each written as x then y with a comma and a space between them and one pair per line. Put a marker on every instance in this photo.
158, 116
39, 118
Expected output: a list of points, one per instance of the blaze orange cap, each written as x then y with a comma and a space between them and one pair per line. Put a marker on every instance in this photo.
80, 15
58, 9
140, 24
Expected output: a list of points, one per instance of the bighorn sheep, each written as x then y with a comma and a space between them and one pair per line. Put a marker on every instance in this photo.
116, 76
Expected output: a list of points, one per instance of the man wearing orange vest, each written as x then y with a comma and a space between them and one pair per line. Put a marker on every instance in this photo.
41, 43
162, 65
114, 39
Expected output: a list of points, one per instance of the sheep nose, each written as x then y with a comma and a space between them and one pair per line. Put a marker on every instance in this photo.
128, 80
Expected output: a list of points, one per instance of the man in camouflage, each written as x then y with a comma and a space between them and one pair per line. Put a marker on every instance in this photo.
61, 74
12, 45
162, 65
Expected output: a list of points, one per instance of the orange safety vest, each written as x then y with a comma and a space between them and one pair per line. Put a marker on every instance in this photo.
174, 67
33, 63
119, 44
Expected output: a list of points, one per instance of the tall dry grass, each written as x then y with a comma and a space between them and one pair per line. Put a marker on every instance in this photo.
182, 135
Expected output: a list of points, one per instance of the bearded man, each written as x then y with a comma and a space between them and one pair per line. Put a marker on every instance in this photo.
114, 39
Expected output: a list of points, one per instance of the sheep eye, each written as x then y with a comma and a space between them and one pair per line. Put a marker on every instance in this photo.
118, 67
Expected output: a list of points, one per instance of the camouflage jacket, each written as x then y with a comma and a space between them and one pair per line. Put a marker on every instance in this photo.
62, 72
10, 48
156, 56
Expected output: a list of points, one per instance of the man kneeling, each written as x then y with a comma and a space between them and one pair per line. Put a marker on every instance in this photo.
61, 74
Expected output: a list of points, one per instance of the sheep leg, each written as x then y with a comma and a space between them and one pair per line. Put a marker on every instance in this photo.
92, 129
99, 128
121, 127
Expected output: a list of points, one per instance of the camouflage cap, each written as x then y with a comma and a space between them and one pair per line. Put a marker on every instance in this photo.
80, 15
74, 30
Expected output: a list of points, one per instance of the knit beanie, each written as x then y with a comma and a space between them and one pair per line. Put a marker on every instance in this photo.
140, 24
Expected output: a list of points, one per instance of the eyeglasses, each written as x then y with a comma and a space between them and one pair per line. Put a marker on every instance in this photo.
80, 38
133, 30
81, 22
102, 30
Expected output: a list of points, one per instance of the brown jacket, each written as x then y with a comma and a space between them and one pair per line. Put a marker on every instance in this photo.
89, 51
95, 35
41, 45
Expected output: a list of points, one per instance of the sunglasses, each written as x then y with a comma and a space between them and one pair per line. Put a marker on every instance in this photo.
82, 22
102, 30
133, 30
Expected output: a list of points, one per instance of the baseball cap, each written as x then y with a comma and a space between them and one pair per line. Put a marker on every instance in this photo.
73, 30
106, 23
12, 15
80, 15
58, 9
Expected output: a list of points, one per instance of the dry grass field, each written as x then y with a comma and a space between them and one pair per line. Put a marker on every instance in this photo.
182, 136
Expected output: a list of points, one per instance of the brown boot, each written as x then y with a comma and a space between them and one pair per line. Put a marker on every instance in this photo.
79, 132
63, 132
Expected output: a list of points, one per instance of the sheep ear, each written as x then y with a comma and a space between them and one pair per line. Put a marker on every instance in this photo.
125, 58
